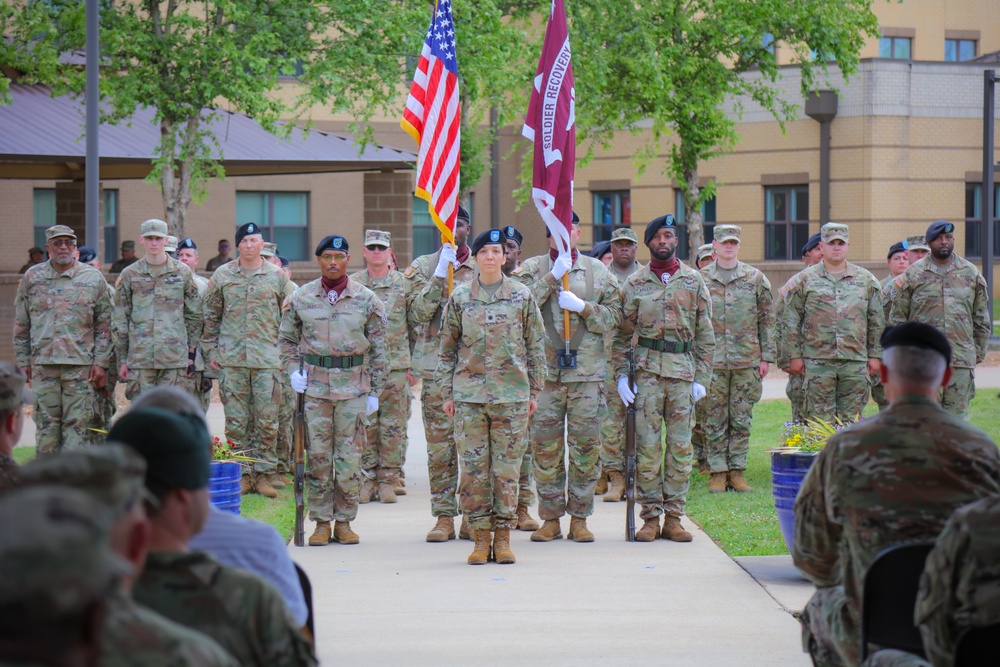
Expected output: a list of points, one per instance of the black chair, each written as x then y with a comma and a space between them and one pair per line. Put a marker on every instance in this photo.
307, 593
978, 647
890, 595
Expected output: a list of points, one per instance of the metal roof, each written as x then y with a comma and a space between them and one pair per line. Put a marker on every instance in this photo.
42, 137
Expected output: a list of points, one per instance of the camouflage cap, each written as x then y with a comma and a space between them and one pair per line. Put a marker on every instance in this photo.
128, 245
171, 244
916, 243
624, 234
14, 390
35, 250
704, 251
269, 249
833, 231
55, 552
377, 237
726, 233
59, 230
153, 227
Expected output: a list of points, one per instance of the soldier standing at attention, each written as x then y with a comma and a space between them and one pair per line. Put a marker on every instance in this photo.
492, 369
573, 393
741, 317
62, 341
428, 276
337, 326
706, 255
128, 257
222, 258
948, 291
242, 315
896, 262
157, 319
106, 405
201, 381
833, 318
668, 306
916, 248
386, 449
513, 246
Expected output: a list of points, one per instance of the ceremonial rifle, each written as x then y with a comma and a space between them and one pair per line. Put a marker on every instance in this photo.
630, 453
299, 443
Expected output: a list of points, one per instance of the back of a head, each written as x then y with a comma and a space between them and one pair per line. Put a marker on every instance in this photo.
169, 398
916, 355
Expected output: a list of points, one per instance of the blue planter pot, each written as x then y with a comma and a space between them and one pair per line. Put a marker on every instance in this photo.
788, 469
224, 485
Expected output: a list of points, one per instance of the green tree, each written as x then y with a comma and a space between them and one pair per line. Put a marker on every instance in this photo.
665, 68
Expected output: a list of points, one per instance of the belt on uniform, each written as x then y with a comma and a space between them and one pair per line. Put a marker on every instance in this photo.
665, 345
334, 362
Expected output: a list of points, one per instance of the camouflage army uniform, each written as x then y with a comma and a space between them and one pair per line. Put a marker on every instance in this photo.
833, 322
386, 448
793, 386
204, 397
427, 300
239, 610
106, 403
242, 314
888, 289
574, 396
285, 446
953, 299
613, 430
862, 496
62, 326
492, 363
350, 331
679, 313
741, 318
157, 319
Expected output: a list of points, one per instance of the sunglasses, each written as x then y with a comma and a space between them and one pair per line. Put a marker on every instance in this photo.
63, 243
373, 248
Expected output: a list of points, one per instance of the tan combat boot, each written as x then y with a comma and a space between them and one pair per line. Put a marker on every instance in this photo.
738, 482
673, 531
501, 546
386, 494
602, 484
524, 520
276, 481
578, 531
368, 490
481, 551
443, 530
320, 536
704, 469
342, 533
717, 482
463, 529
549, 531
398, 484
650, 530
246, 485
264, 488
616, 489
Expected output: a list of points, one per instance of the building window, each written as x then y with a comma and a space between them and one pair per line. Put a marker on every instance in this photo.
897, 48
110, 225
957, 50
707, 223
44, 213
284, 217
786, 215
612, 209
45, 217
974, 219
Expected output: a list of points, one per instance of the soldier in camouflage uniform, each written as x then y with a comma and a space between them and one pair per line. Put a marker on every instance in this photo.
832, 322
243, 613
334, 329
852, 505
14, 395
949, 292
896, 262
428, 276
667, 305
741, 317
573, 396
705, 257
62, 323
157, 318
916, 248
106, 405
201, 381
386, 448
242, 313
491, 371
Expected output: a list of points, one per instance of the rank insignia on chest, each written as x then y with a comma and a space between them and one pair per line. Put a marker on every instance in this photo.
333, 296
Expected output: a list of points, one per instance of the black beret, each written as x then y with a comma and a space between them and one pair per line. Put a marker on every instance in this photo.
188, 242
489, 237
937, 228
896, 247
576, 221
657, 224
333, 242
917, 334
601, 249
86, 253
246, 230
463, 214
512, 233
811, 243
176, 447
284, 261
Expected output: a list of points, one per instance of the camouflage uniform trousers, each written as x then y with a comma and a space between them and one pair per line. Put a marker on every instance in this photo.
581, 407
141, 379
286, 420
383, 455
65, 406
793, 390
106, 408
491, 442
959, 392
442, 454
333, 469
699, 439
878, 395
835, 389
830, 632
727, 413
613, 431
525, 496
251, 397
194, 386
662, 444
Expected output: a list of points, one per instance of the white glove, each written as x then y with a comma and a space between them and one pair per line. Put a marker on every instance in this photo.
697, 391
298, 380
562, 266
627, 394
447, 257
371, 404
570, 301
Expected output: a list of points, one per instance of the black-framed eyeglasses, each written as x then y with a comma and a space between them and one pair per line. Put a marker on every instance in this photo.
373, 247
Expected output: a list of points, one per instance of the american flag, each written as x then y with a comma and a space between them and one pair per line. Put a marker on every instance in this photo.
432, 117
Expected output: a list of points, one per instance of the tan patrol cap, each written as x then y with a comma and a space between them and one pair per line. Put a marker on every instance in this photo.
704, 250
624, 234
916, 243
171, 244
269, 250
376, 237
832, 231
726, 233
59, 230
153, 227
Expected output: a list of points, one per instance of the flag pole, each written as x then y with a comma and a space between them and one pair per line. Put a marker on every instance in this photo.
565, 286
451, 269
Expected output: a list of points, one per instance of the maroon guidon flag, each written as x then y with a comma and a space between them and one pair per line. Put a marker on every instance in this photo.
551, 125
